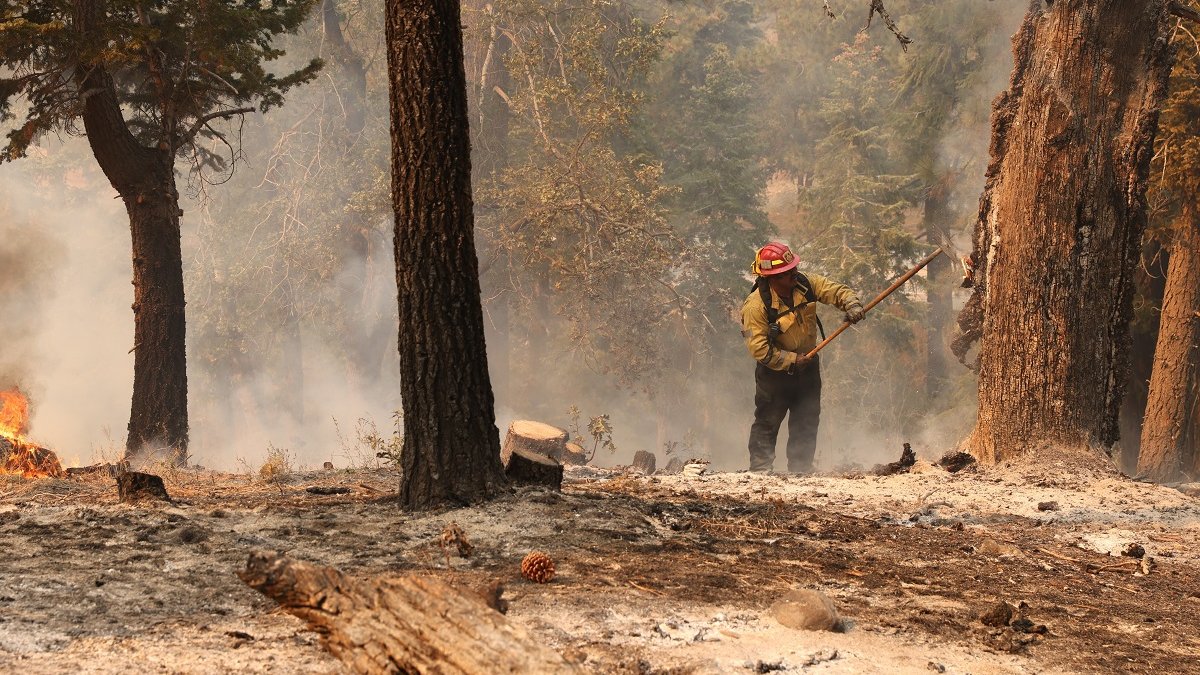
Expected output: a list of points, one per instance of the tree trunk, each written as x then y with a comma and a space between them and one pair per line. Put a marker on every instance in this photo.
410, 624
158, 423
1166, 444
350, 66
145, 180
1150, 281
1060, 222
451, 446
938, 291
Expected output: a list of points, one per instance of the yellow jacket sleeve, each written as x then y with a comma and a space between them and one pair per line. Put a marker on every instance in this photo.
832, 293
754, 329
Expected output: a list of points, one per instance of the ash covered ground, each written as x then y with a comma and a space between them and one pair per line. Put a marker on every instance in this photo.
661, 574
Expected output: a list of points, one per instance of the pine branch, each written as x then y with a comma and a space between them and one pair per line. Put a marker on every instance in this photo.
220, 114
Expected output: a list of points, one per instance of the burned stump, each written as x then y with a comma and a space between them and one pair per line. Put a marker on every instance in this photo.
413, 624
534, 437
907, 459
133, 486
18, 458
956, 461
644, 461
531, 468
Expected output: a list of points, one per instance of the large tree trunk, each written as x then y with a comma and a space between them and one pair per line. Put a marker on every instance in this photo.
145, 180
451, 446
1060, 222
1166, 448
158, 422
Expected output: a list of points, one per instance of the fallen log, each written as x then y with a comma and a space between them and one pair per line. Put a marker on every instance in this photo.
531, 468
409, 624
536, 437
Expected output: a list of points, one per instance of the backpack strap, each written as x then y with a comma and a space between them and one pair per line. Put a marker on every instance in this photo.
774, 315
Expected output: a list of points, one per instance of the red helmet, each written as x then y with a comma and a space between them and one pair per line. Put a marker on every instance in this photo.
774, 258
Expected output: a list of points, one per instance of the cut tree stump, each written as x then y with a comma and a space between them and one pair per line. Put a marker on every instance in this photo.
133, 486
531, 436
644, 461
410, 624
531, 468
574, 454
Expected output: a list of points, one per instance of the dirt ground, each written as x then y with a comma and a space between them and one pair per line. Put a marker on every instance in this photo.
663, 574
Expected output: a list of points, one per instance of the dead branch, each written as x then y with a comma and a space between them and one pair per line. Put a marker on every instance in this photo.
878, 8
1183, 11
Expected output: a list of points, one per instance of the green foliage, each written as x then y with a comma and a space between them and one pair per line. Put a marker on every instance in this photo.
178, 66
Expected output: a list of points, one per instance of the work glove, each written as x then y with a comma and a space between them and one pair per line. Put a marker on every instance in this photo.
802, 360
855, 313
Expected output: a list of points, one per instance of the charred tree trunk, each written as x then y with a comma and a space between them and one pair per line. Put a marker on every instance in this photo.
1166, 447
451, 446
1150, 281
938, 291
158, 422
145, 180
1060, 222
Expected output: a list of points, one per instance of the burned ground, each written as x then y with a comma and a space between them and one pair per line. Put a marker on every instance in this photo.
668, 574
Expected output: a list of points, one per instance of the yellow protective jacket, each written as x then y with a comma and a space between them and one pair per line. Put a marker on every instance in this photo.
798, 329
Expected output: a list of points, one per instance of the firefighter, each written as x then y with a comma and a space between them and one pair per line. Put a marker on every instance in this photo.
780, 324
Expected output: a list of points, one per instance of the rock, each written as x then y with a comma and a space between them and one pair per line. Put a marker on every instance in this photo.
1047, 506
999, 615
694, 468
1023, 625
644, 461
806, 609
133, 486
674, 465
956, 461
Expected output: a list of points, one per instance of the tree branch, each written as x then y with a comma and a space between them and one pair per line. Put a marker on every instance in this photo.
200, 123
878, 8
1183, 11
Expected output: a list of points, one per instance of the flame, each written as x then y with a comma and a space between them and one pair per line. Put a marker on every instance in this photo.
14, 414
20, 457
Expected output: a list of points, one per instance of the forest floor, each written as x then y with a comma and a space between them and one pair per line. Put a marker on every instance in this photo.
662, 574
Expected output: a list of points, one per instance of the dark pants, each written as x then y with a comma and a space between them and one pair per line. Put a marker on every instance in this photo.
776, 395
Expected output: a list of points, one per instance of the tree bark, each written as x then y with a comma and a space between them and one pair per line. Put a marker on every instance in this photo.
1167, 434
145, 180
407, 625
1060, 223
451, 445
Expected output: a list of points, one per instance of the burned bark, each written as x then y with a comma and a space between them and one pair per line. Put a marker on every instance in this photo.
531, 468
451, 446
408, 625
1168, 433
1060, 223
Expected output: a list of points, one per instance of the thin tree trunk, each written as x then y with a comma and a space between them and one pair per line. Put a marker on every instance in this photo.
145, 180
451, 446
938, 291
350, 66
1165, 448
1061, 218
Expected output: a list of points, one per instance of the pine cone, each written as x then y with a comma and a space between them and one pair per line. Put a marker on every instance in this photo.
537, 567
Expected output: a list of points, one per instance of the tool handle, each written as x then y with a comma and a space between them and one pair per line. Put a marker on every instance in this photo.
891, 289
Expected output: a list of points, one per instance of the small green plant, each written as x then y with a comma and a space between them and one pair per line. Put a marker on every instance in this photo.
369, 445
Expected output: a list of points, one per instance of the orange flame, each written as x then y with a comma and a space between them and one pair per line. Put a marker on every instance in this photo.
14, 414
20, 457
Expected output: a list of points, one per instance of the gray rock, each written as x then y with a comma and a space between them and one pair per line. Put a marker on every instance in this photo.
806, 609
